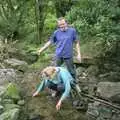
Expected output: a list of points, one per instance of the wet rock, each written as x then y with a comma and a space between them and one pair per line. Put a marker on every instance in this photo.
108, 89
75, 103
105, 112
110, 76
21, 102
12, 114
35, 117
80, 105
115, 115
17, 64
80, 71
0, 100
7, 101
7, 75
115, 98
31, 57
93, 110
92, 70
1, 109
2, 90
11, 106
97, 111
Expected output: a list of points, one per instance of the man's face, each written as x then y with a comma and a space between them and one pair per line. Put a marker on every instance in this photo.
62, 25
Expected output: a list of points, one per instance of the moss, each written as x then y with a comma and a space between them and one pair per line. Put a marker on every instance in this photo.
12, 91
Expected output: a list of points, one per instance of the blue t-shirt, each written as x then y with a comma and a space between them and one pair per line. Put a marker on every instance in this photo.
64, 42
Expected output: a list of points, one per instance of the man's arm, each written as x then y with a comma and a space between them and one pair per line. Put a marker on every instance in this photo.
75, 38
78, 50
44, 47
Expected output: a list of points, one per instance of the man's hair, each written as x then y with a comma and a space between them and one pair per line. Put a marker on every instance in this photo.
61, 18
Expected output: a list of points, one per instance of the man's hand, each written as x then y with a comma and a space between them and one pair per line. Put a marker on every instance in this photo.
44, 47
39, 51
79, 58
35, 94
58, 105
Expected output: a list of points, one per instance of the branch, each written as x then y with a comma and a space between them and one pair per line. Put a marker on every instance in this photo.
102, 101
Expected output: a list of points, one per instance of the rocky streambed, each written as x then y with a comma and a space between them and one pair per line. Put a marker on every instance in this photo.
17, 86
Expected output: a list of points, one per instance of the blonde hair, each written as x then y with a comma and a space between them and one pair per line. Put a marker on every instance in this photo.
61, 18
49, 71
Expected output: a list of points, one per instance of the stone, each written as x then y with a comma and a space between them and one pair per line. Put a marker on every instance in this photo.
75, 103
1, 109
21, 102
0, 100
7, 101
12, 114
35, 117
17, 64
115, 98
105, 112
7, 75
93, 109
11, 106
108, 89
2, 90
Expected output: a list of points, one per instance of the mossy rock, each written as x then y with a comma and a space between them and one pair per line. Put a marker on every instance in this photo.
12, 91
11, 106
12, 114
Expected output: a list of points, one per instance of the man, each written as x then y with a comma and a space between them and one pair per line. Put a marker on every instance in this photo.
57, 79
63, 38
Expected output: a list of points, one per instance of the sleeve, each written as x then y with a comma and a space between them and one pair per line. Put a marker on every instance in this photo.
75, 35
53, 37
67, 86
42, 86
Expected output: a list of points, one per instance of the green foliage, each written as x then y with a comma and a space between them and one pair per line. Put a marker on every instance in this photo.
5, 50
97, 20
62, 6
14, 19
12, 91
50, 25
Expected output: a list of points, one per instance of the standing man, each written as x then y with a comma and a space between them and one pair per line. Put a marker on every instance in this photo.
63, 38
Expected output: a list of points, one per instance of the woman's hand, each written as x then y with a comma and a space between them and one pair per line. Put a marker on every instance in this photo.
58, 105
35, 94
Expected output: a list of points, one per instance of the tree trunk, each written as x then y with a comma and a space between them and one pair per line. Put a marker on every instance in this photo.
37, 21
41, 12
62, 6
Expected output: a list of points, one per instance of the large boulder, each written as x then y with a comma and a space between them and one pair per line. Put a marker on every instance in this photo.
98, 111
108, 89
11, 114
17, 64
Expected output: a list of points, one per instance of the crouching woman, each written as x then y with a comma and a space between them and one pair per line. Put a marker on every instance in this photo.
57, 79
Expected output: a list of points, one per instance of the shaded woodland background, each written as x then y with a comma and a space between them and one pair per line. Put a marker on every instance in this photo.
31, 23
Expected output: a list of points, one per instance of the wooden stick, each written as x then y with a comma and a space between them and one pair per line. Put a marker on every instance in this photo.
102, 101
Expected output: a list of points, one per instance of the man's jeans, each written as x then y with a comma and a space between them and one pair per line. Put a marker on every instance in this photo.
69, 64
